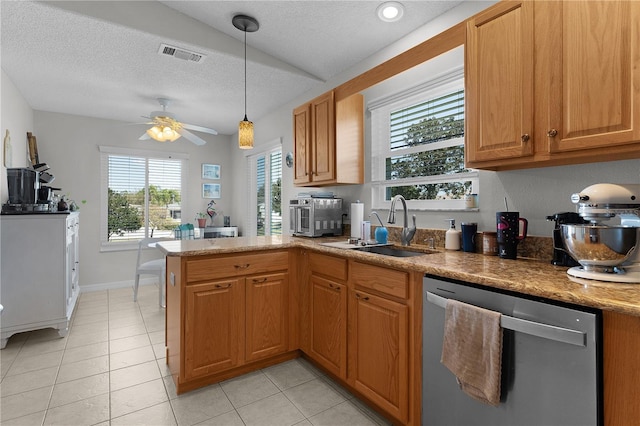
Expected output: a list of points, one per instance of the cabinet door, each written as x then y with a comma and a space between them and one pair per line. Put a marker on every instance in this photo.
323, 163
302, 144
378, 351
329, 325
499, 83
213, 327
595, 84
266, 315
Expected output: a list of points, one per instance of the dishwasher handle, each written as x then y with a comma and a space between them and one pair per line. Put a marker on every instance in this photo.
546, 331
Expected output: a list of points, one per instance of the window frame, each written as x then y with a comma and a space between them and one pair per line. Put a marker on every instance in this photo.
380, 110
252, 159
105, 152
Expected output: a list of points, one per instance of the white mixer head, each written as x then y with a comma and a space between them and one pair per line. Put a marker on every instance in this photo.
606, 200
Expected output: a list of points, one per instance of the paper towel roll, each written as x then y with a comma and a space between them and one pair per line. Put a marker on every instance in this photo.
357, 216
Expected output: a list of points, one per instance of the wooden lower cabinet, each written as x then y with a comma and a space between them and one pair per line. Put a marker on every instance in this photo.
328, 326
266, 315
227, 315
378, 351
213, 331
621, 334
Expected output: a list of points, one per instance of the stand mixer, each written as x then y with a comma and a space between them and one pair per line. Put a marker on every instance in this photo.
606, 253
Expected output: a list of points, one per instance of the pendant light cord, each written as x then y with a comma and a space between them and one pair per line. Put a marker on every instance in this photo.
245, 74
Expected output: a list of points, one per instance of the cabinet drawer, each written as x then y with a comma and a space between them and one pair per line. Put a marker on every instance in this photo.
236, 265
330, 266
383, 280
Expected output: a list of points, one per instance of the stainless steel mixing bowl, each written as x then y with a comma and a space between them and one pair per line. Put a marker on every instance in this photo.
596, 246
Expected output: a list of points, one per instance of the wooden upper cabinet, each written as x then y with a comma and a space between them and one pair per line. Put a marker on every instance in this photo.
595, 88
562, 75
329, 141
302, 140
499, 83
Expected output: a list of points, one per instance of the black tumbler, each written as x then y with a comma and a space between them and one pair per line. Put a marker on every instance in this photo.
508, 229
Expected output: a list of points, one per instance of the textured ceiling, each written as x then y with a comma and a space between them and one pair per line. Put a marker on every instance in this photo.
99, 58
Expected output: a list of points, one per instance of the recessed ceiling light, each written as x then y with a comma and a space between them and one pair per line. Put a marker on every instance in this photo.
390, 11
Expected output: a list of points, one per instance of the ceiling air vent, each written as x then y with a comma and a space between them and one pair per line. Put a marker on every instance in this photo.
180, 53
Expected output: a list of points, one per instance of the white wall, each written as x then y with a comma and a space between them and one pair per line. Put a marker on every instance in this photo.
16, 116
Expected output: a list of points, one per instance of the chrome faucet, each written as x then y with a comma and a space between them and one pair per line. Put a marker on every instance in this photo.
407, 233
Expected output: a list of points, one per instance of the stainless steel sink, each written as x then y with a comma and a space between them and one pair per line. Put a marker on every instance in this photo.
391, 251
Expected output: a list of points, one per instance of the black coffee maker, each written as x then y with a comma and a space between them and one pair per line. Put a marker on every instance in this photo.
561, 257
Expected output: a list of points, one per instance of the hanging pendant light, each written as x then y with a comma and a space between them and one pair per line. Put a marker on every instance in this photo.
247, 24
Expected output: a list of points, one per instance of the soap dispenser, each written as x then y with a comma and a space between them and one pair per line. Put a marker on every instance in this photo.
452, 236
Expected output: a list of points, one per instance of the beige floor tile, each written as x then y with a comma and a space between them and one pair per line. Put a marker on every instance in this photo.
80, 353
342, 414
84, 412
82, 339
24, 403
43, 334
158, 415
135, 398
160, 350
38, 347
89, 328
132, 357
289, 374
37, 362
122, 332
248, 388
313, 397
305, 422
128, 343
31, 419
157, 336
199, 405
90, 317
370, 412
164, 368
19, 383
135, 375
276, 408
77, 390
232, 418
91, 308
84, 368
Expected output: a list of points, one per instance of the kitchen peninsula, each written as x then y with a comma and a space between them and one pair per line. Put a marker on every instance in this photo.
236, 305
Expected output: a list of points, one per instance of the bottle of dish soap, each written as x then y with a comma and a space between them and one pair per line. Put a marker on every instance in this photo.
452, 236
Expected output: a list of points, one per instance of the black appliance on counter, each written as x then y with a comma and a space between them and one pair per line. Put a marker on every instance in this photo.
26, 194
560, 256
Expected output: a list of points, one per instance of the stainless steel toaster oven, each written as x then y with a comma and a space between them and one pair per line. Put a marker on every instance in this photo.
315, 217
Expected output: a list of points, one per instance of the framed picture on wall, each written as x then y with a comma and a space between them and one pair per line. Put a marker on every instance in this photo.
210, 171
210, 190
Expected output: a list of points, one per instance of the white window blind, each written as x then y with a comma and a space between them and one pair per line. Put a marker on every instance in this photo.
265, 177
142, 195
418, 147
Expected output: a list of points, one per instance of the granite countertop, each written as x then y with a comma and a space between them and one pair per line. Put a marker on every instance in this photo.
526, 276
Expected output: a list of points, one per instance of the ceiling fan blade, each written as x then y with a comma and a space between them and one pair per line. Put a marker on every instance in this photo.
193, 138
199, 128
144, 137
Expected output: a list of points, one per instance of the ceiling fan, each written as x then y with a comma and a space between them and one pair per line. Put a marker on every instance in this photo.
167, 128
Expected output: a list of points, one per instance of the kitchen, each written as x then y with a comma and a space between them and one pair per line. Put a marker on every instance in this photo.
60, 136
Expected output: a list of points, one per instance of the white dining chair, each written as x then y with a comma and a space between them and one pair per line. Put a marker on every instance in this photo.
151, 267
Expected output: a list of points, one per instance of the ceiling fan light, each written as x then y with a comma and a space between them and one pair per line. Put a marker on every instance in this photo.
245, 134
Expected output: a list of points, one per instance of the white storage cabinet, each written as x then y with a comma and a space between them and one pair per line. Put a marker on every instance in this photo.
39, 278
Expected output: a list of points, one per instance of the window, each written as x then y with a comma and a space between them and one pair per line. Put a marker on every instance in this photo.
266, 187
418, 147
142, 195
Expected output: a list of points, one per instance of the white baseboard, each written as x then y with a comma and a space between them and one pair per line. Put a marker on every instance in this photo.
116, 284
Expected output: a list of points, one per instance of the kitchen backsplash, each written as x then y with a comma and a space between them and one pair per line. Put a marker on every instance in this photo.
538, 248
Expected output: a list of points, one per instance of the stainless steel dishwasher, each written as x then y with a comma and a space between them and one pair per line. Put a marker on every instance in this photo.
551, 368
